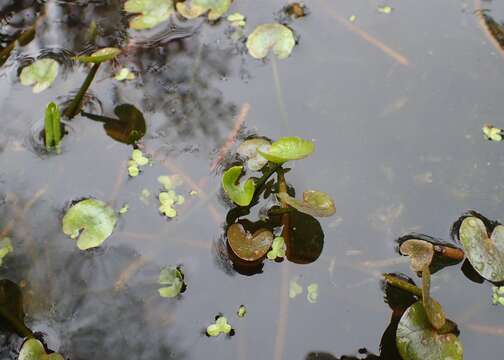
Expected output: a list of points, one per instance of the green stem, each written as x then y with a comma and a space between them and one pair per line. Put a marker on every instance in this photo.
403, 285
76, 104
52, 126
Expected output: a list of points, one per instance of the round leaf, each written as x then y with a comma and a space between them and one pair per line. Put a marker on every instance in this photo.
41, 74
89, 221
315, 203
288, 148
240, 194
417, 340
99, 56
247, 246
486, 254
152, 12
191, 9
420, 252
277, 37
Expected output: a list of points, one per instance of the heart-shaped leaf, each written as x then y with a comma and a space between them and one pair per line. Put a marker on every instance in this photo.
90, 221
420, 252
485, 253
241, 194
276, 37
33, 349
315, 203
247, 246
433, 309
41, 74
248, 150
152, 12
99, 56
191, 9
288, 148
417, 340
173, 281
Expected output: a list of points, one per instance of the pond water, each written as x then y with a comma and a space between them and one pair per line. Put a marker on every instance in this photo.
394, 103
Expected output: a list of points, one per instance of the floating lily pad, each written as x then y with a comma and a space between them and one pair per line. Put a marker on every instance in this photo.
33, 349
288, 148
220, 326
315, 203
295, 288
312, 293
247, 246
276, 37
485, 253
152, 12
417, 340
420, 252
173, 281
433, 309
241, 194
41, 74
492, 133
248, 150
90, 221
191, 9
278, 248
5, 248
99, 56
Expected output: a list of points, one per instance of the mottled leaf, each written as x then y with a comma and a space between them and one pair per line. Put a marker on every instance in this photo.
276, 37
247, 246
315, 203
420, 252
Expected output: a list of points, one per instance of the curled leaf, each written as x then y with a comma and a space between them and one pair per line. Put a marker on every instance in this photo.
99, 56
247, 246
150, 12
241, 194
90, 221
288, 148
315, 203
276, 37
173, 281
41, 74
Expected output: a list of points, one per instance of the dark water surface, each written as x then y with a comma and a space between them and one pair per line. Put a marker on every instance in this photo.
399, 147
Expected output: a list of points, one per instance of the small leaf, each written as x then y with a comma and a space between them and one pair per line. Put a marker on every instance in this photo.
173, 279
485, 253
170, 182
417, 340
420, 252
276, 37
247, 246
152, 12
278, 248
312, 294
236, 20
41, 74
248, 150
315, 203
221, 326
33, 349
492, 133
5, 248
294, 288
242, 311
191, 9
385, 9
99, 56
133, 170
90, 221
288, 148
138, 157
124, 209
240, 194
124, 74
498, 295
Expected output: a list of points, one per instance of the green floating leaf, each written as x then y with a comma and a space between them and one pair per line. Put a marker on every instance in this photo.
41, 74
221, 326
278, 248
385, 9
191, 9
137, 160
236, 19
288, 148
417, 340
152, 12
33, 349
145, 196
498, 295
295, 288
242, 311
485, 253
90, 221
275, 37
312, 294
173, 281
240, 194
5, 248
99, 56
492, 133
125, 74
315, 203
247, 246
167, 200
248, 150
433, 309
124, 209
420, 252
